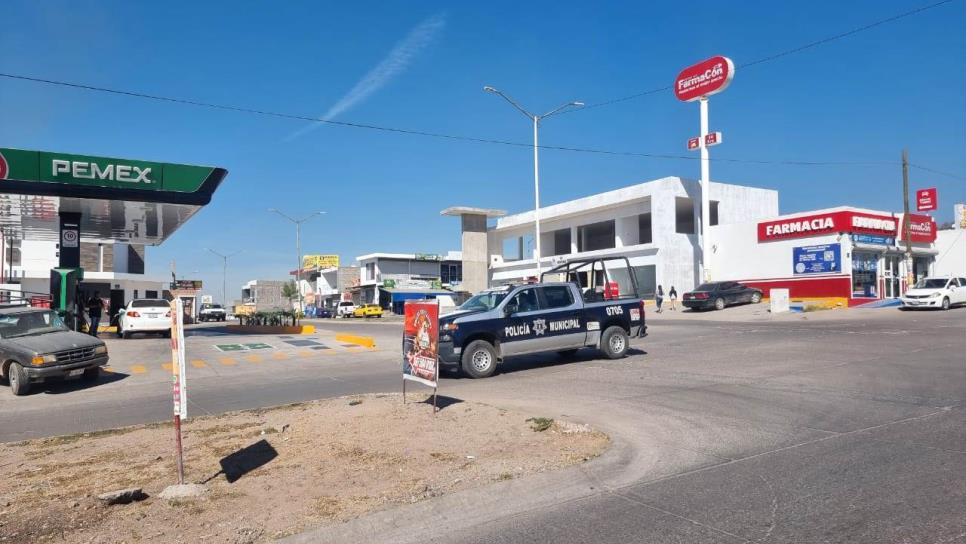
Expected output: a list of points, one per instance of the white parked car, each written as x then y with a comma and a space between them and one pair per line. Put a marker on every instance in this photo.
345, 309
145, 315
935, 293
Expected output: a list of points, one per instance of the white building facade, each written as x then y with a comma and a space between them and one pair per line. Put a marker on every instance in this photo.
389, 279
112, 271
654, 224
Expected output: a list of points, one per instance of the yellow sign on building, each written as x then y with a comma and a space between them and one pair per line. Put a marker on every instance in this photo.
320, 261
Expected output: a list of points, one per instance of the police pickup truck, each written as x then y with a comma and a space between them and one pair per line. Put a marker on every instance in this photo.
585, 309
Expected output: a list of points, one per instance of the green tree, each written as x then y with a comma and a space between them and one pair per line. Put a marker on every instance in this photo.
289, 291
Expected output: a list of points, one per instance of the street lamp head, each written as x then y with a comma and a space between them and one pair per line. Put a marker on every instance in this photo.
577, 104
489, 89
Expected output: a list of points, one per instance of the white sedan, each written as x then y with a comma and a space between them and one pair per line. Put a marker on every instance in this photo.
938, 293
145, 315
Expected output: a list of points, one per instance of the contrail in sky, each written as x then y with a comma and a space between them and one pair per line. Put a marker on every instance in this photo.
394, 64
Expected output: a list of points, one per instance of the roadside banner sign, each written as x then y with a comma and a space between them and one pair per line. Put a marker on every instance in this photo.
694, 143
712, 138
421, 342
704, 79
820, 259
926, 200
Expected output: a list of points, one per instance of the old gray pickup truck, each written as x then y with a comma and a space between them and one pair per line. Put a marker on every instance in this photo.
36, 345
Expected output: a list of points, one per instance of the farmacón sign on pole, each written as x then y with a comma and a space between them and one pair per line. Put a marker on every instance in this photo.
698, 82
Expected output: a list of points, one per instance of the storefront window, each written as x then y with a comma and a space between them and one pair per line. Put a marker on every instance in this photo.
865, 267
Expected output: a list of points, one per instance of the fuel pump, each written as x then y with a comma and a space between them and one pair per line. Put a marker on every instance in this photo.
64, 295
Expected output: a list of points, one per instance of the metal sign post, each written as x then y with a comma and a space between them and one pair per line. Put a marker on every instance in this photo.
179, 385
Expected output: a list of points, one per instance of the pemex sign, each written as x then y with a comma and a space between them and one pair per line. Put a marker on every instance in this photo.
84, 176
704, 79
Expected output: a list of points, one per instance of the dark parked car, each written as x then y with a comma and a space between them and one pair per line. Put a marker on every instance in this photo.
36, 345
719, 294
323, 313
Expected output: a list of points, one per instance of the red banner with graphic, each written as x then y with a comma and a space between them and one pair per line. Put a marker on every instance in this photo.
421, 342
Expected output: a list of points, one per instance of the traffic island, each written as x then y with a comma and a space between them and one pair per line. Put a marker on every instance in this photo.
326, 462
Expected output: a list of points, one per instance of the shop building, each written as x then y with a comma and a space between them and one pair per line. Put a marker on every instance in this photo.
261, 296
654, 224
325, 287
844, 255
390, 279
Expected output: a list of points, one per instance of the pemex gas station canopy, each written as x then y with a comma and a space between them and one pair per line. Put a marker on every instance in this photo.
118, 199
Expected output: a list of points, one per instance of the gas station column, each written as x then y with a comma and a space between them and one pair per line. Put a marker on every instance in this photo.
69, 240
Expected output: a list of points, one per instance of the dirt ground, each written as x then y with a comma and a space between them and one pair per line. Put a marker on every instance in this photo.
271, 473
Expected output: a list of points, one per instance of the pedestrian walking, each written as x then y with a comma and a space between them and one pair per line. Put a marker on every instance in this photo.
673, 295
659, 298
94, 308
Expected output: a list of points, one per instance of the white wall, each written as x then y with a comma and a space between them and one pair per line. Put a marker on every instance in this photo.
951, 260
675, 255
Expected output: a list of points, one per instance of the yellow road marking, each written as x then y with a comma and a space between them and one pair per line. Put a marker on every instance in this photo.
107, 369
364, 341
279, 356
138, 369
227, 361
167, 366
305, 353
198, 363
253, 358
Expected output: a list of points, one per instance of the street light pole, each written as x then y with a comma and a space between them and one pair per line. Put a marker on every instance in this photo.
298, 248
224, 273
536, 159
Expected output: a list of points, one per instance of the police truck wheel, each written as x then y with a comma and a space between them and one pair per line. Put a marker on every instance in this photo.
479, 359
719, 304
19, 382
755, 298
614, 342
945, 305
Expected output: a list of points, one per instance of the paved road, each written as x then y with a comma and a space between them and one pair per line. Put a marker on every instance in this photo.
815, 429
137, 388
834, 427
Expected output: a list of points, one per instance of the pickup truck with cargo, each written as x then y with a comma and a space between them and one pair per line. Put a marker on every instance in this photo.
587, 307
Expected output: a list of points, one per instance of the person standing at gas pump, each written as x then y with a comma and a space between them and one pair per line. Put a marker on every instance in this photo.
94, 308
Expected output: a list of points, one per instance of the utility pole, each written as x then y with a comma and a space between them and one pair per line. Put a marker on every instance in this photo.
224, 273
536, 164
905, 217
298, 248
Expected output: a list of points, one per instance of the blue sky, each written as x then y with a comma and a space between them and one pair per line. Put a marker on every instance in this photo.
422, 66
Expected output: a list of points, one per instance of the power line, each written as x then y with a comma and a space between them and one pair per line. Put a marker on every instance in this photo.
269, 113
778, 55
454, 137
940, 172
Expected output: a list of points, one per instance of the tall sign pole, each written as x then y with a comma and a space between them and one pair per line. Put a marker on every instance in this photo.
698, 82
705, 274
